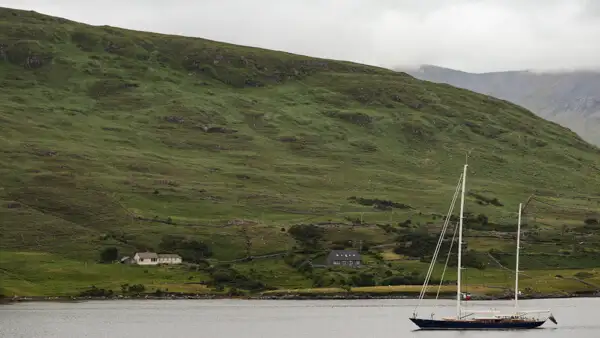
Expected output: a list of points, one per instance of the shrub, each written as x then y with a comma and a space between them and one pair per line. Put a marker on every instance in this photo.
190, 250
417, 244
230, 277
584, 275
109, 255
137, 288
132, 289
235, 292
378, 203
412, 278
360, 119
406, 223
93, 291
363, 279
307, 235
485, 200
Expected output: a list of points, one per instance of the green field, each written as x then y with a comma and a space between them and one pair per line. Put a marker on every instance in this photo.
41, 274
117, 138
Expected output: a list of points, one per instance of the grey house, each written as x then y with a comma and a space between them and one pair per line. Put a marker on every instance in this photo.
350, 258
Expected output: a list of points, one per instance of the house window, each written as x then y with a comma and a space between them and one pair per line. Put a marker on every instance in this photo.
153, 259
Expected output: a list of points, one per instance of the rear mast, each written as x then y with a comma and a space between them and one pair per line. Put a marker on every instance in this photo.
460, 228
517, 262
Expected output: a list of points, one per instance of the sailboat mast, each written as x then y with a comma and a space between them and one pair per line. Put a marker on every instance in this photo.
517, 263
460, 228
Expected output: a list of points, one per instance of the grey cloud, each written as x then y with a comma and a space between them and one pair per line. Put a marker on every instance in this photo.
591, 9
472, 35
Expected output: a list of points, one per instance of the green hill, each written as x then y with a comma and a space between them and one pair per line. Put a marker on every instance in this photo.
112, 137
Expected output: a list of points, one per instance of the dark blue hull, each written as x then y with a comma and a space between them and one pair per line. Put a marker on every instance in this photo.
479, 324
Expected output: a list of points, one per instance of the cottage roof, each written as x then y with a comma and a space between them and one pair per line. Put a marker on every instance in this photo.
344, 255
147, 255
168, 256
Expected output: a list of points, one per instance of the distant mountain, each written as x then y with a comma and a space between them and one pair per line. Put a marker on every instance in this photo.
571, 99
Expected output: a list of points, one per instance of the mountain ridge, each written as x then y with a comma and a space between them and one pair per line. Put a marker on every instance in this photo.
569, 98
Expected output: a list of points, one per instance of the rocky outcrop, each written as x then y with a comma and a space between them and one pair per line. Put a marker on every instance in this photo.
28, 53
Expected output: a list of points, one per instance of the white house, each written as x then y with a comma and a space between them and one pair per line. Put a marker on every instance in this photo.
169, 259
152, 258
145, 258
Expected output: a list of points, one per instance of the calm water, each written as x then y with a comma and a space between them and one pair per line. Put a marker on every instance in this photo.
577, 318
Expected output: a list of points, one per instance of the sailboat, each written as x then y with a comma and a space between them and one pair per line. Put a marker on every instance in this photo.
476, 320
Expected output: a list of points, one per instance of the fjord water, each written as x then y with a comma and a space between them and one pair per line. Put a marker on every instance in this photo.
271, 319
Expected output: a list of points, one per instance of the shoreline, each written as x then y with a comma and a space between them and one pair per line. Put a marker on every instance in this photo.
282, 296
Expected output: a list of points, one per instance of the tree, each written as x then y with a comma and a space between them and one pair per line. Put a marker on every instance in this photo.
190, 250
363, 279
307, 235
416, 244
195, 250
132, 289
137, 288
109, 255
470, 258
170, 242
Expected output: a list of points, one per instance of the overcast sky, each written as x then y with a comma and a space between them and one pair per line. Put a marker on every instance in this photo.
470, 35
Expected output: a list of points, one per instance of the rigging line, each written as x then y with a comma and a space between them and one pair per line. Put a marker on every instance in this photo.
430, 271
438, 245
432, 264
447, 260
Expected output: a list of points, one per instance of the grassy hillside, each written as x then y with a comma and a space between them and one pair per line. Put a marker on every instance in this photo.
113, 137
